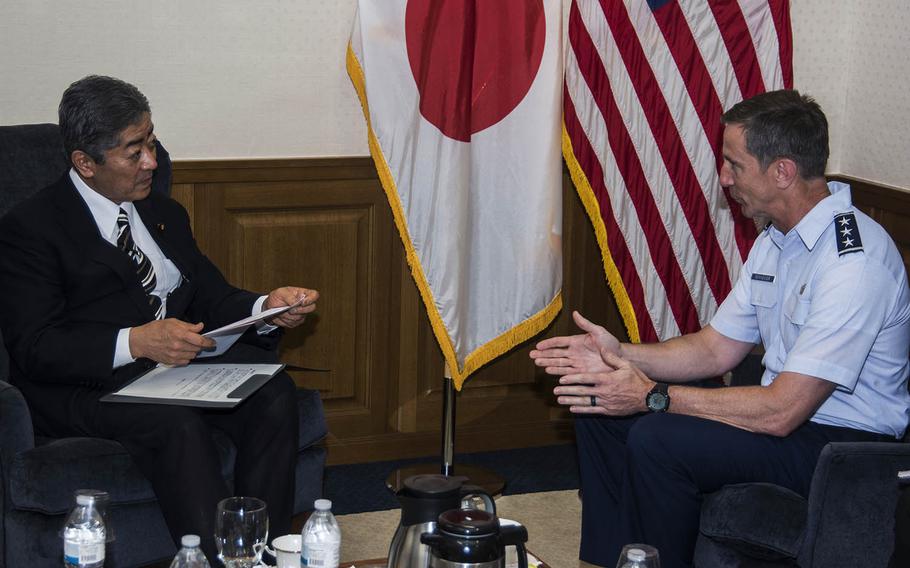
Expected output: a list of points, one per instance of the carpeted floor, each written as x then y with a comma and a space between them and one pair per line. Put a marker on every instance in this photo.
361, 488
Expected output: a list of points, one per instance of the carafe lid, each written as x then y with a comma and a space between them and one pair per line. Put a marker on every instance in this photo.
468, 523
436, 486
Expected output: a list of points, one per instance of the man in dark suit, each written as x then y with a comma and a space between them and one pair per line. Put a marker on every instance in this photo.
100, 280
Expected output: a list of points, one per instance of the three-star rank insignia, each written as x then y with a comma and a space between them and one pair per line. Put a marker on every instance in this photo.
847, 234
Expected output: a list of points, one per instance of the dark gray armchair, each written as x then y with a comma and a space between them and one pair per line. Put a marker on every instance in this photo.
39, 475
848, 520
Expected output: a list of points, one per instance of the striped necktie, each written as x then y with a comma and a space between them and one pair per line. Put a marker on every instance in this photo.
144, 268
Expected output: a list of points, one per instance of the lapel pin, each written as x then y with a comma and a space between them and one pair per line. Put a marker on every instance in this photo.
160, 227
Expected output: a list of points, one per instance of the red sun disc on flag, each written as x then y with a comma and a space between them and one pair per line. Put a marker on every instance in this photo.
473, 61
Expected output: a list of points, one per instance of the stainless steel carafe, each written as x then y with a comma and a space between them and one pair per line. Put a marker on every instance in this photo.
469, 538
423, 498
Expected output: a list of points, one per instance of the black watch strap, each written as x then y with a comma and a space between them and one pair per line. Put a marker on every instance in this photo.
658, 400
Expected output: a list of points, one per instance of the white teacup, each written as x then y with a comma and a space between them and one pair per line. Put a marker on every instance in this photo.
286, 550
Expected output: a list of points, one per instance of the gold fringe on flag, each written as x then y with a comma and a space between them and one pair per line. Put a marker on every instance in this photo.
592, 207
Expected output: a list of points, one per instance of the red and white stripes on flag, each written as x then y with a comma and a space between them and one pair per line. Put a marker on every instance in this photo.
646, 84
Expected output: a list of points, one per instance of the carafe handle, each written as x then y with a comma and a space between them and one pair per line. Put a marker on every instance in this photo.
476, 491
516, 535
431, 539
522, 554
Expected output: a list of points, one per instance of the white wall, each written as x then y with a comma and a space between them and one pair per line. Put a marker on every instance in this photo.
267, 78
225, 78
852, 56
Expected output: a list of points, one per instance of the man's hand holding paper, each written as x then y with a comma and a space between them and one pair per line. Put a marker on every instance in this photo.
301, 300
175, 343
285, 307
168, 341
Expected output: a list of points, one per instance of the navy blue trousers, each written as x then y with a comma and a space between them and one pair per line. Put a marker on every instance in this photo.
643, 477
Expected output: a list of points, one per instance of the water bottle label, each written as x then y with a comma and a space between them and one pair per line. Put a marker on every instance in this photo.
76, 553
325, 556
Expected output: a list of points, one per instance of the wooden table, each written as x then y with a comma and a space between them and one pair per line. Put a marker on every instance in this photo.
381, 563
373, 563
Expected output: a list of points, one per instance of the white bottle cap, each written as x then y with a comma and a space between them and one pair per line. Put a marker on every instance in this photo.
190, 540
636, 554
323, 504
85, 499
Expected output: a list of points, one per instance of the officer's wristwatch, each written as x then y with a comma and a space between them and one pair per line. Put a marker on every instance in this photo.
658, 400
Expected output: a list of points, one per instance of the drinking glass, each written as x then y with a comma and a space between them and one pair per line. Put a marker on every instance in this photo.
638, 556
241, 531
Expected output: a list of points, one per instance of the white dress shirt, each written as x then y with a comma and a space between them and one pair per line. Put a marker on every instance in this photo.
167, 275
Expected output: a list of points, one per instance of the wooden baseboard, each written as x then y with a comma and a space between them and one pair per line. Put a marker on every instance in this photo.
428, 444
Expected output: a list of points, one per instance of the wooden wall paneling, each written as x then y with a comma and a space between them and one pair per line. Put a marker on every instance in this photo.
325, 228
183, 194
406, 367
889, 206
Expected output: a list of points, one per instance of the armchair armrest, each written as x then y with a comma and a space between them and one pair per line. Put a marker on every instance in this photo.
759, 520
16, 431
852, 500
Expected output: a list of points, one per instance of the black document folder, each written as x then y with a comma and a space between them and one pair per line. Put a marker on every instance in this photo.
200, 385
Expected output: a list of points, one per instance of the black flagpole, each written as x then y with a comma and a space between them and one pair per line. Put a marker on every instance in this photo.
490, 481
448, 425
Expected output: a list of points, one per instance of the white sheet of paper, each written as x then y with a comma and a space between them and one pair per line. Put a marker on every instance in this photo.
223, 341
212, 383
227, 335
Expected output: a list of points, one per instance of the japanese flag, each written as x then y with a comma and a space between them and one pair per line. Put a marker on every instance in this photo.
463, 103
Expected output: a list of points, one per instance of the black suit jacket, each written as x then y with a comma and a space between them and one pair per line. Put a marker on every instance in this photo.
65, 292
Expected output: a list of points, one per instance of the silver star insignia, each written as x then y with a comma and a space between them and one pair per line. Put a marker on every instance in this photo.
848, 242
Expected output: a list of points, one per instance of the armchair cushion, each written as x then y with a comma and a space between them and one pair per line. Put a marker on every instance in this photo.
31, 157
17, 434
4, 361
847, 521
42, 479
852, 501
312, 417
761, 520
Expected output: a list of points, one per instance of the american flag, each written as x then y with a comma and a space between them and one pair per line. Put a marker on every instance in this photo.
646, 85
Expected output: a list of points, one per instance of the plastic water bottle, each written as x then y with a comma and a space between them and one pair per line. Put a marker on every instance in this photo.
84, 535
635, 558
321, 547
190, 556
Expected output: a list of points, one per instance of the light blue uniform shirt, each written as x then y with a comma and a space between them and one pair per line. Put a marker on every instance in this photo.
839, 312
